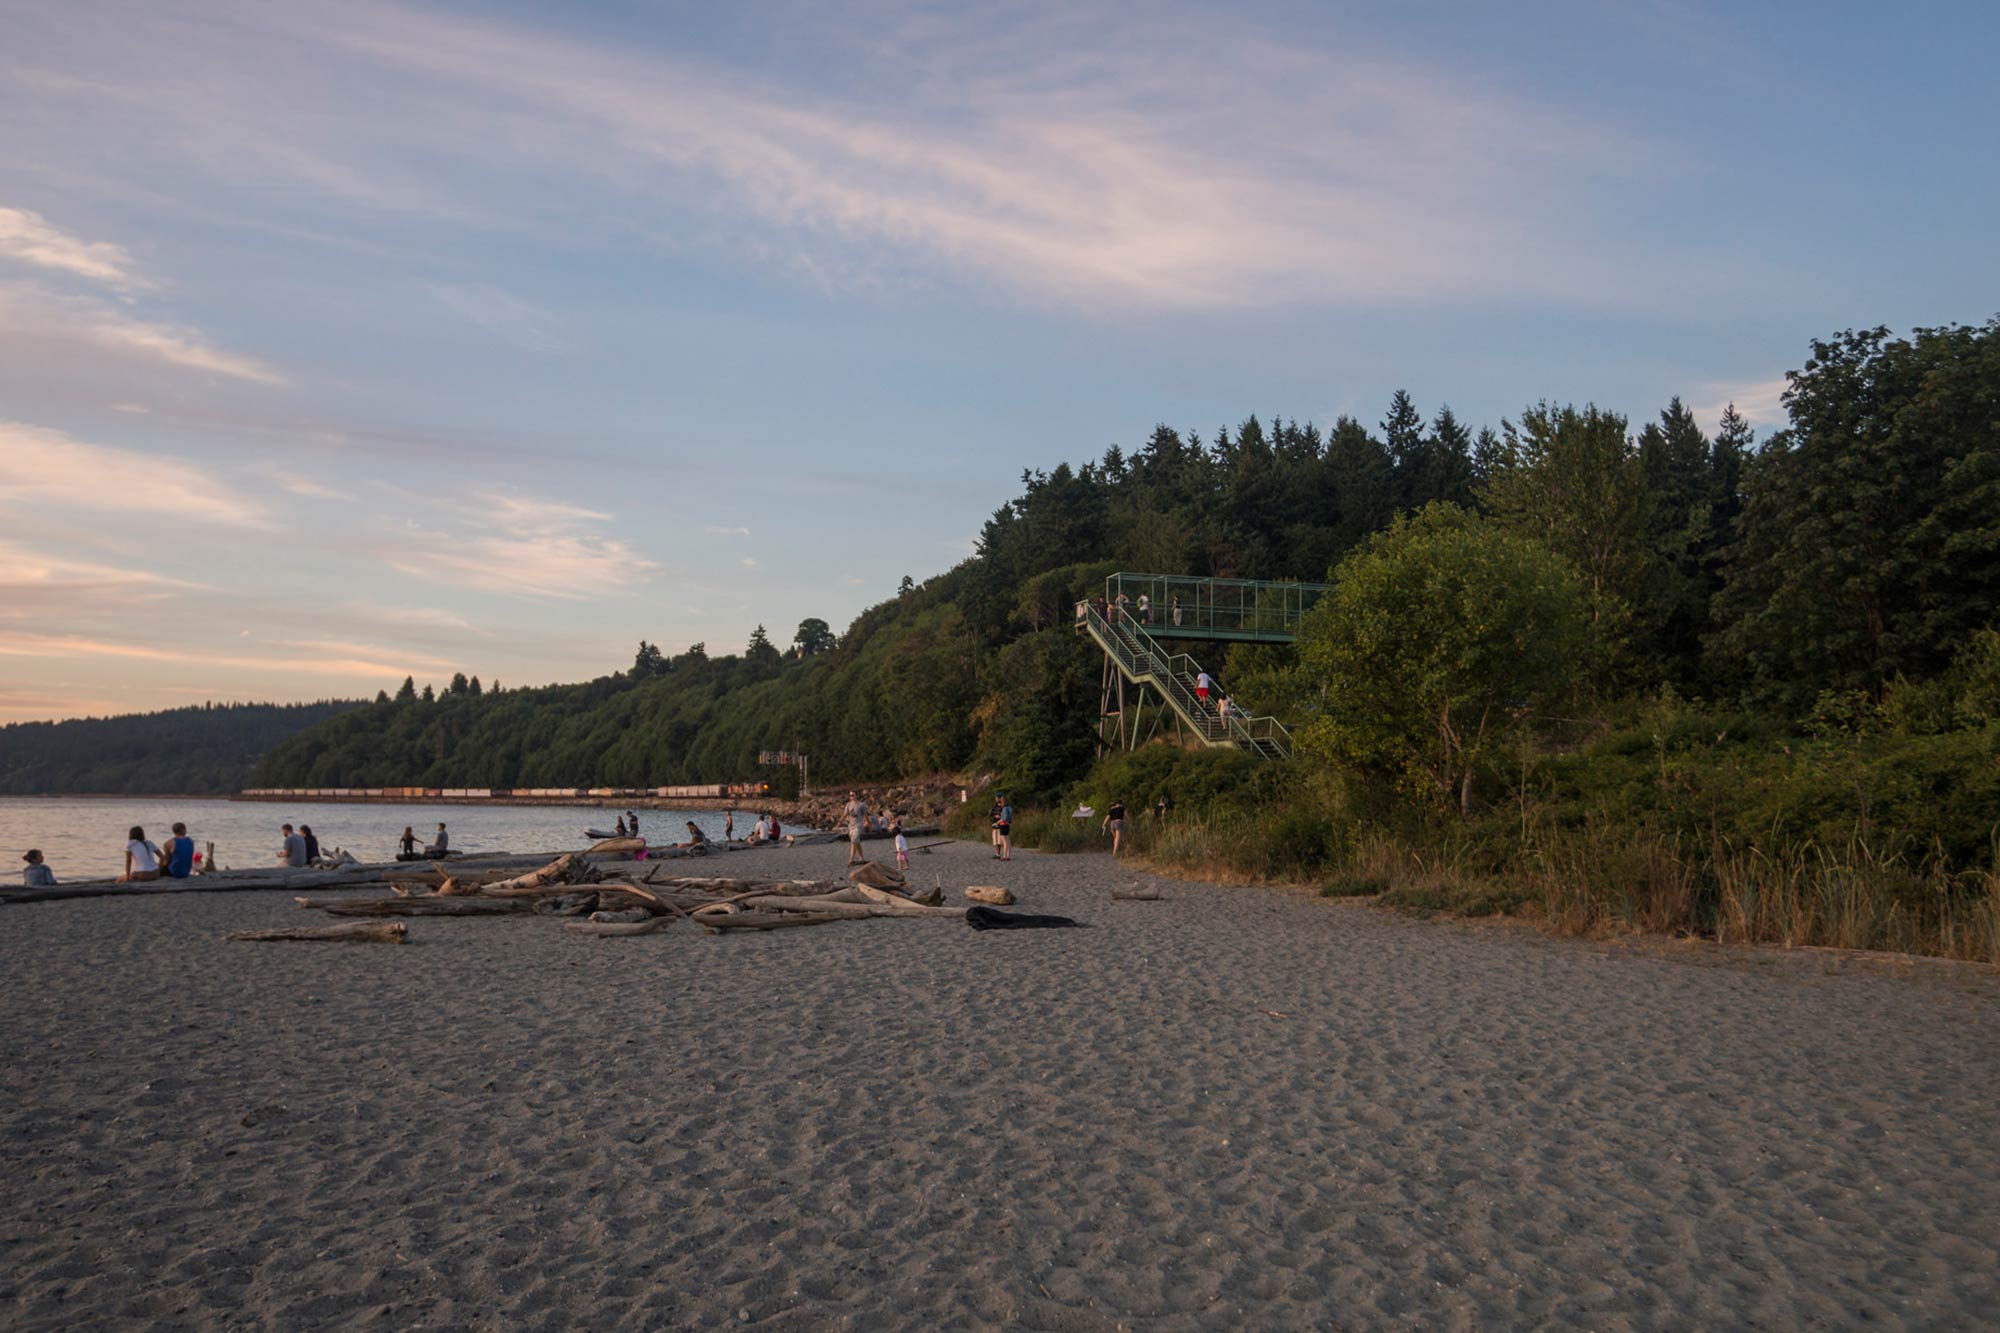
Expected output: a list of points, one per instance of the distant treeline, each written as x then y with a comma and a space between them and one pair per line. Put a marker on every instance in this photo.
202, 750
1837, 568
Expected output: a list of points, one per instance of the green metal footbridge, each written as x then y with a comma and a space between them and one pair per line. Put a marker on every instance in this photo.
1147, 687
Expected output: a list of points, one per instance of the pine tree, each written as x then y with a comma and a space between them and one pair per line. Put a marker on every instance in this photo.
459, 684
428, 695
472, 687
408, 691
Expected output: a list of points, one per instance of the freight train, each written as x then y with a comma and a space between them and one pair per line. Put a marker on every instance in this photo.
689, 791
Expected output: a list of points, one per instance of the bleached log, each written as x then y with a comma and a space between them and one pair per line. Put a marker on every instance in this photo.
870, 875
617, 928
383, 932
991, 894
766, 920
828, 904
621, 916
556, 877
616, 847
431, 906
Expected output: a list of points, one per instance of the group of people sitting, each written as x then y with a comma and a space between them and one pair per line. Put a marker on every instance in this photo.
766, 829
406, 846
146, 860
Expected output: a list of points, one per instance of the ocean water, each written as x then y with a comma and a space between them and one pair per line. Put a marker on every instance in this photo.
84, 838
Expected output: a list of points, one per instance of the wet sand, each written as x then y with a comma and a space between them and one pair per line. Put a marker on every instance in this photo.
1235, 1108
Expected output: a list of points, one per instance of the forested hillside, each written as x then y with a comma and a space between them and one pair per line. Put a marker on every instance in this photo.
202, 750
1839, 567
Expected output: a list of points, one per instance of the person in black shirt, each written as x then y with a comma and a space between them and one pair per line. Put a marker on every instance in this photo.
1114, 820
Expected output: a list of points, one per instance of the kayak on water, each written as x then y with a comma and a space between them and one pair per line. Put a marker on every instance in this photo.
599, 835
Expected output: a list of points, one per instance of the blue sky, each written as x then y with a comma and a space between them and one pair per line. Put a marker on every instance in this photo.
340, 341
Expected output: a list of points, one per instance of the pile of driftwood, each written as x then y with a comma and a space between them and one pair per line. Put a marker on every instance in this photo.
630, 898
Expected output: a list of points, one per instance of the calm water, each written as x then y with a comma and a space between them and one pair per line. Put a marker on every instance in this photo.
85, 839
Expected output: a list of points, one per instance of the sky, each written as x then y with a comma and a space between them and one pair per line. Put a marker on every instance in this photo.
353, 340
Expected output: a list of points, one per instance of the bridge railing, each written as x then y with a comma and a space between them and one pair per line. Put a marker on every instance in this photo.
1175, 675
1225, 608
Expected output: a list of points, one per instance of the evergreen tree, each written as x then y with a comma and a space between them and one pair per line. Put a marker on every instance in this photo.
472, 686
459, 684
408, 691
428, 695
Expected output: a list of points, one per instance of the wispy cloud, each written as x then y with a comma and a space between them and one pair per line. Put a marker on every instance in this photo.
337, 663
30, 312
31, 238
51, 467
502, 314
1759, 401
726, 532
509, 507
1055, 153
24, 571
545, 550
564, 565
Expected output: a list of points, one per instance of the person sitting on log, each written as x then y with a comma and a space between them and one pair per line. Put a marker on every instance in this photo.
37, 875
696, 838
440, 846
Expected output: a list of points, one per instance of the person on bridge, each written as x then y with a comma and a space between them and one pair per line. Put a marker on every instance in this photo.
1177, 608
1201, 684
1145, 610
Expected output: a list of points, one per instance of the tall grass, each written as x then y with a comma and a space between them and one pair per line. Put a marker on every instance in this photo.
1600, 878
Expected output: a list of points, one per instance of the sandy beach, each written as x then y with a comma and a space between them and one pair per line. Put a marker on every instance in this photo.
1234, 1108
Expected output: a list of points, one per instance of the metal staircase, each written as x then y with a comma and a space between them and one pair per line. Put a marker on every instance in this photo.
1132, 655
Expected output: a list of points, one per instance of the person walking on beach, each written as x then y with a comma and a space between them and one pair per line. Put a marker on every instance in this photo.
902, 846
312, 842
1003, 831
292, 850
856, 811
729, 826
178, 857
1114, 820
37, 875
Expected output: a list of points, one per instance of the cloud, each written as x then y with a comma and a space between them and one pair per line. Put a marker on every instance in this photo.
544, 551
50, 467
749, 562
505, 507
501, 314
33, 313
1759, 402
1056, 153
18, 644
25, 572
311, 489
564, 565
33, 239
726, 532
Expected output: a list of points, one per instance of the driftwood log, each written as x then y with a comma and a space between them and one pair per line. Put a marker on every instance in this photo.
991, 894
1138, 893
555, 877
382, 932
765, 920
613, 929
429, 906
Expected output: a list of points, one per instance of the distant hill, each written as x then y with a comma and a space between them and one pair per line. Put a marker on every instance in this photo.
202, 750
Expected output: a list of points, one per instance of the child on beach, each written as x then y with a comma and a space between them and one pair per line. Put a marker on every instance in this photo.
902, 846
37, 875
